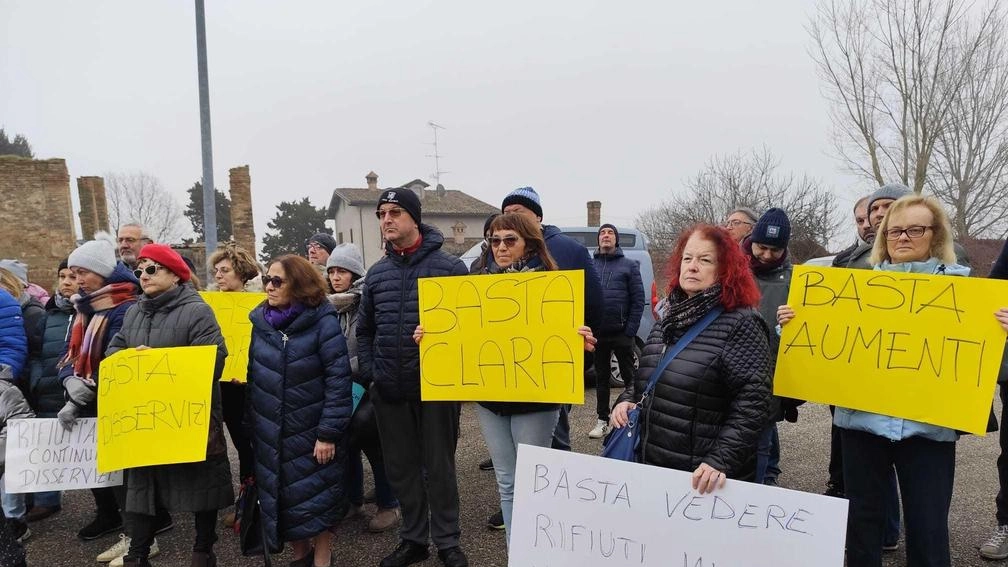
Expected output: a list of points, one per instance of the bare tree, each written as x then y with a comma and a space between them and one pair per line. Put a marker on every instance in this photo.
139, 197
746, 180
917, 96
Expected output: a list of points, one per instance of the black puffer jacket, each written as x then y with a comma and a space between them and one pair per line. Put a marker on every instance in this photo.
45, 389
622, 292
711, 401
389, 312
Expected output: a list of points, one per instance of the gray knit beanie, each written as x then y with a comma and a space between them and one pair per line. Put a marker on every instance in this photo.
16, 267
891, 191
347, 256
97, 256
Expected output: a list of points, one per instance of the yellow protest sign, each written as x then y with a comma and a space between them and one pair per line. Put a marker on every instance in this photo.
503, 337
916, 346
232, 311
154, 406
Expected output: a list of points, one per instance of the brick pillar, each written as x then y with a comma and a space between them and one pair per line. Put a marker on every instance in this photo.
242, 229
101, 204
594, 213
88, 206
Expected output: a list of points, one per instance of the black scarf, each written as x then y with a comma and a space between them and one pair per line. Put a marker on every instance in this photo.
683, 311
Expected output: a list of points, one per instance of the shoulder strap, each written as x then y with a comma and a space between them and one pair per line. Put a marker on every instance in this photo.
682, 343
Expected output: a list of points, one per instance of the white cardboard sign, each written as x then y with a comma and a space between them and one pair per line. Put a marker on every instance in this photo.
42, 456
574, 510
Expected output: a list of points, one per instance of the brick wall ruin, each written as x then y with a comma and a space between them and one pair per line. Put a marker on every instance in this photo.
242, 228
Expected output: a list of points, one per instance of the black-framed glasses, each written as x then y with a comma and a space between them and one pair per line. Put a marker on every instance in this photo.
149, 270
507, 241
394, 212
277, 281
910, 231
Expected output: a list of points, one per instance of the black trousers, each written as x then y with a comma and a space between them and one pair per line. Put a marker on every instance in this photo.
418, 442
835, 455
926, 472
622, 345
142, 527
233, 406
1002, 462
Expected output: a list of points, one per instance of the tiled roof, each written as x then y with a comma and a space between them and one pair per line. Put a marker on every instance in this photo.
450, 202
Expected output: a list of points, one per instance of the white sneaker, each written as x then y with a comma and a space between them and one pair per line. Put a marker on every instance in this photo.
601, 430
118, 561
117, 550
997, 546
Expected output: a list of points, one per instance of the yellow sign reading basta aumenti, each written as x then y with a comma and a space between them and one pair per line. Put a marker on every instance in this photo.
503, 337
232, 310
916, 346
154, 406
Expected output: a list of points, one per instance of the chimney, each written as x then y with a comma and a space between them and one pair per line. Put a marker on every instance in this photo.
372, 180
594, 213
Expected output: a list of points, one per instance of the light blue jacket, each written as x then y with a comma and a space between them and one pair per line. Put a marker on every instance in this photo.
895, 428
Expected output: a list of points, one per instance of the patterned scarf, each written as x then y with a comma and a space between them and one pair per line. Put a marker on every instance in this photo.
683, 311
90, 326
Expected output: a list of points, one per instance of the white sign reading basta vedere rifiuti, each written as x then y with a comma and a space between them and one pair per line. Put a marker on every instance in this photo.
574, 510
42, 456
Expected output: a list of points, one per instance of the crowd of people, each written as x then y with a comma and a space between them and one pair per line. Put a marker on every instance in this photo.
334, 376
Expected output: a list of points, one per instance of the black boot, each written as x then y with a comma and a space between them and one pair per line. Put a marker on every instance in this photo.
204, 559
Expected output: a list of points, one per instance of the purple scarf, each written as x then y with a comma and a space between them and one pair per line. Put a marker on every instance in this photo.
280, 318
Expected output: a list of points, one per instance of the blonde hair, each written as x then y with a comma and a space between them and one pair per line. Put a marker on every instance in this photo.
244, 264
11, 283
941, 230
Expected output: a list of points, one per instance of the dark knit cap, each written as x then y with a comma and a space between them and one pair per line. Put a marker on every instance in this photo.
403, 197
891, 191
325, 241
614, 229
489, 221
526, 197
164, 255
62, 265
772, 229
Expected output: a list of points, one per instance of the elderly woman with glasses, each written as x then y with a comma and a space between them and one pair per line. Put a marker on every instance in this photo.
915, 237
172, 314
300, 406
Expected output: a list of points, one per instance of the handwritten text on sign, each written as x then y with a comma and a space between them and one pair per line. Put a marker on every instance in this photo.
154, 406
504, 337
915, 346
574, 510
42, 456
232, 311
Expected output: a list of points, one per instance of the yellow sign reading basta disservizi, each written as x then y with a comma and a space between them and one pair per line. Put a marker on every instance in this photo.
154, 406
916, 346
232, 311
503, 337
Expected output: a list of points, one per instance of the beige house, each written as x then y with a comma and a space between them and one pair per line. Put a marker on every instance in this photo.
457, 215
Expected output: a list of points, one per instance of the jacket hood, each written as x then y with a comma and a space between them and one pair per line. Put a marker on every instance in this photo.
122, 273
180, 295
931, 266
617, 253
549, 231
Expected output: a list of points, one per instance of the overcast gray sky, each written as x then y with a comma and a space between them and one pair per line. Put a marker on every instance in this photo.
616, 101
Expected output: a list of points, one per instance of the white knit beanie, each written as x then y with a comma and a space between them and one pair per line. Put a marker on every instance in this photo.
97, 256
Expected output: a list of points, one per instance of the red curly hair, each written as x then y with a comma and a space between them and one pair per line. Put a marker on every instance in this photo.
738, 286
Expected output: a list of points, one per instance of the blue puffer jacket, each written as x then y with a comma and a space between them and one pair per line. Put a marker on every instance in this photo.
298, 393
895, 428
389, 312
13, 343
622, 293
572, 255
45, 389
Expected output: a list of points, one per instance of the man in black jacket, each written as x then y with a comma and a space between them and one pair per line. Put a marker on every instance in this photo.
418, 438
997, 546
623, 293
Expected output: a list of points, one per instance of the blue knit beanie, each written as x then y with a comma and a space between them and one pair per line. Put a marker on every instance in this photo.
526, 197
772, 229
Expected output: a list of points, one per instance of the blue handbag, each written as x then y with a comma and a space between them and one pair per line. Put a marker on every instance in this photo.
624, 443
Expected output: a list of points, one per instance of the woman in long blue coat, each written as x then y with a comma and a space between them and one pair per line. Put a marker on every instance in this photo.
299, 409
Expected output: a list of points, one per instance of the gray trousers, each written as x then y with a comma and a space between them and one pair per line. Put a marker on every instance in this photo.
418, 442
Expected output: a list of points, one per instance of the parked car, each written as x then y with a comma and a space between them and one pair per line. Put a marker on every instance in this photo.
635, 246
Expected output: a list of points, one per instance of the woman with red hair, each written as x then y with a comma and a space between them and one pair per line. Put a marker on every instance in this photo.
709, 404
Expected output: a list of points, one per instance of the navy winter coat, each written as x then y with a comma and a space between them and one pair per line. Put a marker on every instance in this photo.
389, 312
299, 393
622, 292
572, 255
45, 389
13, 343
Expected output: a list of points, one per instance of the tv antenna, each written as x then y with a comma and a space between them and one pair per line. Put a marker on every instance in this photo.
436, 176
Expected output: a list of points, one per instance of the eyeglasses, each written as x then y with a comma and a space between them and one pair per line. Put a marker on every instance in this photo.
394, 212
314, 246
911, 232
277, 281
735, 222
149, 270
507, 241
126, 240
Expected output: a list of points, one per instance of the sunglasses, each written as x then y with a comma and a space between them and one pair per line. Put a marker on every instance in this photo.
394, 212
149, 270
277, 281
508, 241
